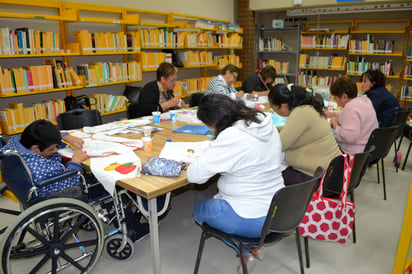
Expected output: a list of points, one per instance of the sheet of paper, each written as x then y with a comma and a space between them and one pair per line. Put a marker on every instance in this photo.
183, 151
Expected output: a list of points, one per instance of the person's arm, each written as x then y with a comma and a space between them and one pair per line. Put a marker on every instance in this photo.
149, 99
294, 128
73, 141
349, 127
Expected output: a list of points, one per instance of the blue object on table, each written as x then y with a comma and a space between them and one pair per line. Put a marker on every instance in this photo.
193, 129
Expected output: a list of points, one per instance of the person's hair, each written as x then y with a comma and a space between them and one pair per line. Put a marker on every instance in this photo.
231, 68
376, 77
268, 72
165, 69
344, 84
221, 112
294, 96
41, 133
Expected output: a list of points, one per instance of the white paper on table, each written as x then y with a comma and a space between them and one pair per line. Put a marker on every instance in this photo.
100, 167
77, 133
178, 151
98, 148
136, 143
116, 127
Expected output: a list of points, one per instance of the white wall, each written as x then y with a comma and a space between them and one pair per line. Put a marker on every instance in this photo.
261, 5
216, 9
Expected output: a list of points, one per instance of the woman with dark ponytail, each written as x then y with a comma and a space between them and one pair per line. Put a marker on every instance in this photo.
307, 138
246, 153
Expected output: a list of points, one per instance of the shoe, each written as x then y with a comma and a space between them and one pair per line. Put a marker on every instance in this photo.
140, 234
259, 253
250, 261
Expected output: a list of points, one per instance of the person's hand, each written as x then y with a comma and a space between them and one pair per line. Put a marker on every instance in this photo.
329, 114
239, 94
334, 122
249, 96
174, 102
79, 156
74, 141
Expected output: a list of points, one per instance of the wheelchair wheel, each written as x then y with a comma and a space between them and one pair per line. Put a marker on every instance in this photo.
47, 238
113, 248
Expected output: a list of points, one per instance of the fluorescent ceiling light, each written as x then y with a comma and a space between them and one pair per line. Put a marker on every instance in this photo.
351, 9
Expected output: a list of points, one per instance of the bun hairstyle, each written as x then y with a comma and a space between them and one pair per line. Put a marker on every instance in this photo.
294, 96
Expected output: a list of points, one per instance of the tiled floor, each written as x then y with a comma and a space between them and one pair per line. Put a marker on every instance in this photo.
378, 228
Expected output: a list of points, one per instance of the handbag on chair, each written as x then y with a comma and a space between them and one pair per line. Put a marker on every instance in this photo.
327, 218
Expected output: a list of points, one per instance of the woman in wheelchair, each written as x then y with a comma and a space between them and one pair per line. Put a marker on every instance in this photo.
38, 145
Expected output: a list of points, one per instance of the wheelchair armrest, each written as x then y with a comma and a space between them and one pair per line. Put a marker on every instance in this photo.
62, 176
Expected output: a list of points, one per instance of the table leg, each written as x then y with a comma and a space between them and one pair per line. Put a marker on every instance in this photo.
154, 235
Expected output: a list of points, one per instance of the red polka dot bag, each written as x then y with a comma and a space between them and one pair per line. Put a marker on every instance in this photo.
327, 218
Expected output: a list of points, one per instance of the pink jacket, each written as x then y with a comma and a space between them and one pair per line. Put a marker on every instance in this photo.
357, 121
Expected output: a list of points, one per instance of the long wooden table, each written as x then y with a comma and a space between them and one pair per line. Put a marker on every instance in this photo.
151, 187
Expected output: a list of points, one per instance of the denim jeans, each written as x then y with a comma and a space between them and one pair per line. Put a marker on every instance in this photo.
219, 214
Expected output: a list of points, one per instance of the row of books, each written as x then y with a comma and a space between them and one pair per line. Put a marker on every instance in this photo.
36, 78
28, 41
151, 60
15, 118
362, 66
194, 85
269, 44
406, 92
333, 40
226, 59
196, 58
367, 46
107, 41
212, 40
324, 62
310, 78
408, 71
102, 73
280, 67
161, 37
105, 103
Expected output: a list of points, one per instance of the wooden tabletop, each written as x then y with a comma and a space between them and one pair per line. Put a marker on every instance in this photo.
153, 186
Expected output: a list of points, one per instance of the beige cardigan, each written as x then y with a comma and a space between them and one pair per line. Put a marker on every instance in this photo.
308, 140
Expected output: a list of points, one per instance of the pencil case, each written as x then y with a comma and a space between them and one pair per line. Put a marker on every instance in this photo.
162, 167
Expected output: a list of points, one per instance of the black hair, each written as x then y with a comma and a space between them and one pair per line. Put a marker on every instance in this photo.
221, 112
294, 96
376, 77
344, 84
41, 133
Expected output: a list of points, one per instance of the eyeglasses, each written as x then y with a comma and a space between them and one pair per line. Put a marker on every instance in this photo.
172, 80
235, 76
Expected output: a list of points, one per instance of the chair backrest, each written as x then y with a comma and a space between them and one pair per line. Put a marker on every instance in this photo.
289, 205
132, 93
195, 98
382, 140
16, 175
133, 111
400, 120
78, 118
333, 180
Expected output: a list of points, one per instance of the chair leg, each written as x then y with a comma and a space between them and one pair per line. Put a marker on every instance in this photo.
200, 251
302, 270
242, 260
306, 241
352, 198
406, 157
377, 171
395, 160
383, 180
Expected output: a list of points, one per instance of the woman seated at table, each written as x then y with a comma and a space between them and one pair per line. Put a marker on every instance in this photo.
246, 152
307, 138
158, 95
260, 82
355, 123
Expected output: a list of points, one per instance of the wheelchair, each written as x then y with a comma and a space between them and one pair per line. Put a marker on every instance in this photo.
63, 232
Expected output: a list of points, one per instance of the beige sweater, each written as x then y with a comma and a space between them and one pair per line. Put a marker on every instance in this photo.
308, 140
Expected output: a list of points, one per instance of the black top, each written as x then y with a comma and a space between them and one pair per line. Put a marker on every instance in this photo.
149, 99
386, 105
254, 83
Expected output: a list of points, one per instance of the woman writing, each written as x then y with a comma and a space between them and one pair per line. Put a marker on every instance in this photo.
307, 138
246, 152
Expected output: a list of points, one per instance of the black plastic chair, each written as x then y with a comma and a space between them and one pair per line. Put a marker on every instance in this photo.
285, 213
382, 140
132, 111
399, 120
78, 118
195, 99
407, 133
333, 180
132, 93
